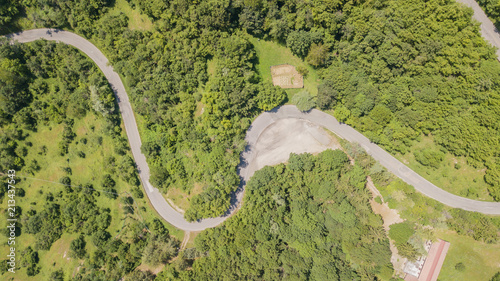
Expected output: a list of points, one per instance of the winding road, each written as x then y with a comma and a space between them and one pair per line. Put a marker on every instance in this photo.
247, 167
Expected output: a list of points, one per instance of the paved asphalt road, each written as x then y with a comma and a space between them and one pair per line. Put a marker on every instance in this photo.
257, 127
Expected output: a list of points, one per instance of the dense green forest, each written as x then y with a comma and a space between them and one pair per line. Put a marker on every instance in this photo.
307, 220
492, 9
395, 70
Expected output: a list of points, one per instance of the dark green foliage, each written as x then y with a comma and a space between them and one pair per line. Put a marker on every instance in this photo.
460, 266
8, 10
428, 157
317, 55
158, 229
492, 9
29, 259
65, 180
401, 232
100, 238
304, 101
57, 275
408, 251
496, 277
475, 225
300, 41
301, 221
327, 95
159, 250
4, 267
77, 248
138, 275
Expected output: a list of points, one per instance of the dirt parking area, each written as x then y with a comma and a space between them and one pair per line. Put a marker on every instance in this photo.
290, 135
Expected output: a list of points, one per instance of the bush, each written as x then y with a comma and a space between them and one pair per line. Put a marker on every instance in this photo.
428, 157
317, 55
65, 180
327, 95
401, 232
304, 101
460, 266
57, 275
77, 248
302, 70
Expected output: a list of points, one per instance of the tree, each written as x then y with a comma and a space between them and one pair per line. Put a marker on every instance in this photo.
342, 113
299, 42
100, 238
57, 275
77, 248
408, 251
428, 157
317, 55
159, 250
401, 232
30, 261
496, 277
303, 100
327, 95
138, 275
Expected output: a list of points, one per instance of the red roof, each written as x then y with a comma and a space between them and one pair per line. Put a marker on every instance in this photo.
434, 261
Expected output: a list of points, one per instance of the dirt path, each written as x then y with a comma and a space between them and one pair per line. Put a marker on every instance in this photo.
390, 217
185, 240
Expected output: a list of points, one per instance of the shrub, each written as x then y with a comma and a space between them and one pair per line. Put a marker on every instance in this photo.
428, 157
302, 70
460, 266
304, 101
401, 232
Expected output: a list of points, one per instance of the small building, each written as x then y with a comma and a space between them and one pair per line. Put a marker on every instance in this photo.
428, 268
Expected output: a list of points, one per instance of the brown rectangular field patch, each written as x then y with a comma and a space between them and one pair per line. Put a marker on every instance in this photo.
286, 76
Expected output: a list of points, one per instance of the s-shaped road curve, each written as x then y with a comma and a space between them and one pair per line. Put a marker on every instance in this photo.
246, 170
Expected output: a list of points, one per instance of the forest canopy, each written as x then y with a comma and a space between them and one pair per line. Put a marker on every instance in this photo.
307, 220
395, 70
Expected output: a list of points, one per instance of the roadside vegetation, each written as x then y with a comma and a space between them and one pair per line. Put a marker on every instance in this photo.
81, 211
309, 219
361, 62
414, 76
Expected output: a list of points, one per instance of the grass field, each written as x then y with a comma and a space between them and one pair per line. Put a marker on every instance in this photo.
481, 260
271, 53
84, 170
466, 181
181, 198
136, 20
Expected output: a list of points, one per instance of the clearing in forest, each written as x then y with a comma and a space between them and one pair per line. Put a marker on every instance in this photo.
286, 76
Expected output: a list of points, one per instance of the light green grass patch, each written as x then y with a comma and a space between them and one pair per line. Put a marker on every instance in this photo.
136, 20
466, 181
481, 260
271, 53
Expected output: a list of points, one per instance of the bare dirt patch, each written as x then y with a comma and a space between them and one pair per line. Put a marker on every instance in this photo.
290, 135
286, 76
390, 217
154, 269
